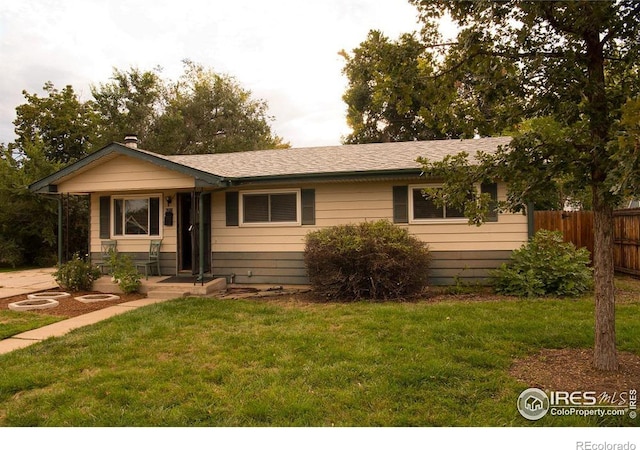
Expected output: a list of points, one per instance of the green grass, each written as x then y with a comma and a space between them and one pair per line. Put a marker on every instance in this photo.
13, 322
204, 362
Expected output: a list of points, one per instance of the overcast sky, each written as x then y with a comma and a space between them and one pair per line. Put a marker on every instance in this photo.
284, 51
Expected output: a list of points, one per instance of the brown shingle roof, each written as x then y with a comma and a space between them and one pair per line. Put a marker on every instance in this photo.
334, 159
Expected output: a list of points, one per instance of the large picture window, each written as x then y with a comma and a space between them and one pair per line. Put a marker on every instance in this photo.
136, 216
278, 207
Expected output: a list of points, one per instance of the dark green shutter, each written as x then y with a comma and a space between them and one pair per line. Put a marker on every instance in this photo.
105, 217
232, 209
154, 216
492, 190
401, 204
308, 206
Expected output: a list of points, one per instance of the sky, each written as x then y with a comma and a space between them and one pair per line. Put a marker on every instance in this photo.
283, 51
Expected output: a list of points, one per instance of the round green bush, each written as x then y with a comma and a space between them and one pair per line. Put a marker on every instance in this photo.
545, 266
370, 260
76, 275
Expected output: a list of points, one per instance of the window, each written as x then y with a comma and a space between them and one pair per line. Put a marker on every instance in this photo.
277, 207
136, 216
423, 208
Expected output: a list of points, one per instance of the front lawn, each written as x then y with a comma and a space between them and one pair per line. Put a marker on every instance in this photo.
13, 322
204, 362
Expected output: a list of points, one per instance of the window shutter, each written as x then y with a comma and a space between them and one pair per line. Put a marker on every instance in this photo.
492, 190
154, 216
232, 209
401, 204
105, 217
308, 206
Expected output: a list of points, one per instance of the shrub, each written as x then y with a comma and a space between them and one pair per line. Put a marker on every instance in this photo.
370, 260
125, 273
76, 275
545, 266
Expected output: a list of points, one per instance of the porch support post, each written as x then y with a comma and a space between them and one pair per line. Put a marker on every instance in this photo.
60, 230
201, 237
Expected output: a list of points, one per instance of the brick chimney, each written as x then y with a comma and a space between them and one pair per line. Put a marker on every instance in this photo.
131, 141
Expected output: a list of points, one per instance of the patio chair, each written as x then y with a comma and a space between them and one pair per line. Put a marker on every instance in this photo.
154, 258
107, 248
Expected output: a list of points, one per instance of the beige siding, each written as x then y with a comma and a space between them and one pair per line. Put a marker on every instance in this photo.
124, 173
342, 203
134, 245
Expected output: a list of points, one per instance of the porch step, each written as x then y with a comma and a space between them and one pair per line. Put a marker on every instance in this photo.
153, 288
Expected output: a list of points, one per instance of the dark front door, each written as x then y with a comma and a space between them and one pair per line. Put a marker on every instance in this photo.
185, 231
189, 231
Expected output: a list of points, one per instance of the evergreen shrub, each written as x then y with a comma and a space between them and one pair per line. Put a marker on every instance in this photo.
370, 260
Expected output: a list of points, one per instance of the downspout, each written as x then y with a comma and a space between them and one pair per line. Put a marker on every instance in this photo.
531, 224
201, 238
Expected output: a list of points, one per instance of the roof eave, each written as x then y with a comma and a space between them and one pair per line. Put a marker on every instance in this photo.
48, 184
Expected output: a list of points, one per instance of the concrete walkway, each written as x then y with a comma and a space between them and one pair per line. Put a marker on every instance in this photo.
28, 281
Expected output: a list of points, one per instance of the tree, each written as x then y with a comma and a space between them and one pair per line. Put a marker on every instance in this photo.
406, 90
208, 112
60, 121
27, 221
578, 63
130, 103
202, 112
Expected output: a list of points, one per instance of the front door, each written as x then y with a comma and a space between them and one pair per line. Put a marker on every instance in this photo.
189, 232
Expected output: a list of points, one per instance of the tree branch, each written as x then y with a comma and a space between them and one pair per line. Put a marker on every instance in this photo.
611, 34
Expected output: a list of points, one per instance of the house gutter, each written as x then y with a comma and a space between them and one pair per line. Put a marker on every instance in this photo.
326, 176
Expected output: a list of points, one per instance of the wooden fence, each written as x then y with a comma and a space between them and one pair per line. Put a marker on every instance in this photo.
626, 235
577, 227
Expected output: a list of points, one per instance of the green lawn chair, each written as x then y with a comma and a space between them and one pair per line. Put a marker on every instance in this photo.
107, 248
154, 258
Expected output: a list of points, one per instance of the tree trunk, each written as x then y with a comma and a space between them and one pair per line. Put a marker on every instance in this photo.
605, 355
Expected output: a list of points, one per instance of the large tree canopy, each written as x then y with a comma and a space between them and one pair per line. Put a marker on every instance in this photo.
207, 112
60, 121
129, 104
406, 89
578, 64
202, 112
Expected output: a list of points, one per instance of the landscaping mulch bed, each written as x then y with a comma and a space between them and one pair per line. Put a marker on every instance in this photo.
572, 370
70, 307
